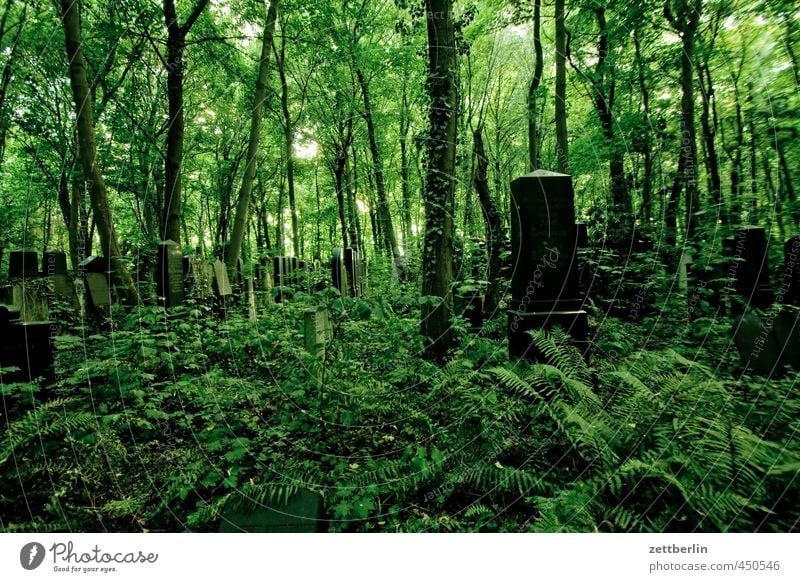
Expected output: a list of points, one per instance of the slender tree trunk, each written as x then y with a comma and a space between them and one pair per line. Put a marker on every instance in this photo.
88, 151
709, 139
354, 223
405, 123
686, 23
534, 156
338, 179
437, 260
384, 215
176, 44
647, 154
562, 150
495, 235
234, 248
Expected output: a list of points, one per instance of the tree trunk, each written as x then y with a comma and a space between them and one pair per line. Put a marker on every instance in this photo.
437, 260
534, 156
88, 151
404, 177
686, 23
176, 44
384, 215
709, 139
495, 235
647, 179
562, 151
234, 248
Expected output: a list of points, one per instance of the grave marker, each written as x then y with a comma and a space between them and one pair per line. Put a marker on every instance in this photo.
751, 267
97, 281
338, 271
170, 273
23, 264
544, 280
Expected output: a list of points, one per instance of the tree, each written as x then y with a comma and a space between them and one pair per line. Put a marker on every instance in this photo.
437, 258
562, 147
234, 248
176, 46
87, 151
684, 16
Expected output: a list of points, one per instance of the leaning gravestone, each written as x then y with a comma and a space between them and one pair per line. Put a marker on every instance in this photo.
96, 272
222, 285
544, 280
303, 512
170, 273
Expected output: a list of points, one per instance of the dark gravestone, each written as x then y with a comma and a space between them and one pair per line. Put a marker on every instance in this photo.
24, 345
766, 342
23, 264
544, 281
303, 512
469, 304
338, 271
751, 267
97, 272
790, 278
170, 273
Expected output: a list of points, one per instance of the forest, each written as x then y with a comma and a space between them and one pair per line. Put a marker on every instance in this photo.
399, 266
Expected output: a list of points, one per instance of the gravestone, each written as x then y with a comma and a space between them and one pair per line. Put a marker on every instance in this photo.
303, 512
54, 266
23, 264
251, 299
338, 271
751, 268
25, 345
97, 272
355, 271
317, 331
170, 273
544, 281
790, 278
221, 283
469, 304
285, 275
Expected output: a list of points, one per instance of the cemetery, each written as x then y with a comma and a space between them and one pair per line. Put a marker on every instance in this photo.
417, 296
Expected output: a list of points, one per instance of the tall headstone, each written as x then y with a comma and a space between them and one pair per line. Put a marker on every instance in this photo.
23, 264
355, 270
790, 278
170, 273
544, 282
338, 271
751, 267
